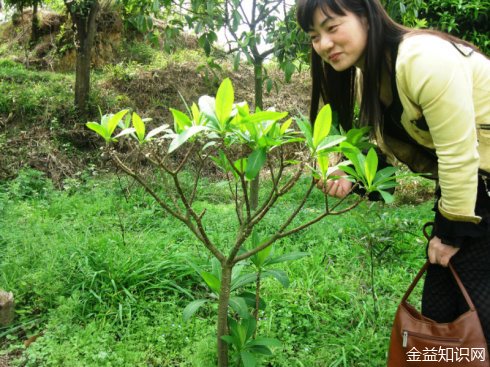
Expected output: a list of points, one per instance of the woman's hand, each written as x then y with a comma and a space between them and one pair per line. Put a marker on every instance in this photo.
440, 253
339, 187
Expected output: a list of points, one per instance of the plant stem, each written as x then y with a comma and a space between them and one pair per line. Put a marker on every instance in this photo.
224, 298
257, 301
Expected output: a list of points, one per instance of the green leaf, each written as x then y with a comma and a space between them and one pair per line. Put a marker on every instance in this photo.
255, 162
250, 300
289, 69
255, 238
387, 197
330, 141
286, 126
260, 257
192, 308
263, 116
322, 125
287, 257
260, 349
228, 339
114, 121
250, 324
156, 131
196, 114
323, 161
384, 175
139, 126
240, 306
241, 165
357, 159
305, 128
267, 342
212, 281
181, 120
224, 101
269, 84
248, 359
350, 171
126, 123
184, 136
370, 166
354, 136
279, 275
242, 280
125, 132
99, 129
236, 61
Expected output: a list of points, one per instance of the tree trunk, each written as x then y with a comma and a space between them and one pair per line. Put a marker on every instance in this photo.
224, 298
6, 308
85, 28
35, 30
258, 77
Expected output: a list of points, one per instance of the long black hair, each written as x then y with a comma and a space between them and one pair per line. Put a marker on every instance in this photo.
338, 88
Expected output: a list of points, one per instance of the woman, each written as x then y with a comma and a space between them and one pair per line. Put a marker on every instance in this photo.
427, 96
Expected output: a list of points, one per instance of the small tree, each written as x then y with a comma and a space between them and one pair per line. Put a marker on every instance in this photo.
264, 29
20, 5
242, 144
83, 14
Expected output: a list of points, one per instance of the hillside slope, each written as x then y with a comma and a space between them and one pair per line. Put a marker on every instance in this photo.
39, 128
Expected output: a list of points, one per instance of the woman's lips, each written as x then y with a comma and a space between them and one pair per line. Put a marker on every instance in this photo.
334, 57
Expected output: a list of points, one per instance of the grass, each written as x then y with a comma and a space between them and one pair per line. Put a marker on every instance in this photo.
104, 278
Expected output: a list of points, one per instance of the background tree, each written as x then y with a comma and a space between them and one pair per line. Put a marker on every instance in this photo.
467, 19
255, 30
83, 14
20, 5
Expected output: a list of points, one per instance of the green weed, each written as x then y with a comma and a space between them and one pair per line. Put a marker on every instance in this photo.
105, 277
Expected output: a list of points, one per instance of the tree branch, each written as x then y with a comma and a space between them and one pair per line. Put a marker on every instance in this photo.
148, 189
198, 219
200, 233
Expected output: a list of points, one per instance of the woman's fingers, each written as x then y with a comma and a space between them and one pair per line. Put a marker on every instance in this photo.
338, 188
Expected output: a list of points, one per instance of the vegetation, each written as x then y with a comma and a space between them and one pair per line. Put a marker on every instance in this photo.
243, 145
104, 274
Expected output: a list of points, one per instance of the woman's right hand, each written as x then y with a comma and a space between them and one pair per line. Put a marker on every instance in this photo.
338, 187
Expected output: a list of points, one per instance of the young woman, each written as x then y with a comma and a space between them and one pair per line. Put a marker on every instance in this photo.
427, 96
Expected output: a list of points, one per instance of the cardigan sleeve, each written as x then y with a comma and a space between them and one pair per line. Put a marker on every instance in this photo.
435, 76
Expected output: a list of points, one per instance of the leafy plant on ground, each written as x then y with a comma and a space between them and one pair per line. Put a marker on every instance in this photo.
242, 144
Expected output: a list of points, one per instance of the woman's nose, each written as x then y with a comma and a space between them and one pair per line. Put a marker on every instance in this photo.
326, 43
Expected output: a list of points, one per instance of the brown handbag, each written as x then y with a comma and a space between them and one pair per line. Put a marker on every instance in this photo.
418, 341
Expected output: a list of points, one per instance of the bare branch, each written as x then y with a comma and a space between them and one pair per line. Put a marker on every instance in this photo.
238, 205
345, 197
243, 184
264, 15
199, 232
244, 13
260, 214
198, 176
280, 235
185, 159
197, 218
148, 189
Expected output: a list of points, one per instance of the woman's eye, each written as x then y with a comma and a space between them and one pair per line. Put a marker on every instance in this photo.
313, 37
332, 28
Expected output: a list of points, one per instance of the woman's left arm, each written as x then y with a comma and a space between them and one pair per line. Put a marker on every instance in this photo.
438, 79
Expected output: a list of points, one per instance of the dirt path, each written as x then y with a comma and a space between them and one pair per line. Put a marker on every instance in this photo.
4, 361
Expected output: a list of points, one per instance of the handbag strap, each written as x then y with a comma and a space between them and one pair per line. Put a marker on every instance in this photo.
456, 277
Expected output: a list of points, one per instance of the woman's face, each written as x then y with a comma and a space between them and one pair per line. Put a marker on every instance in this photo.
340, 40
